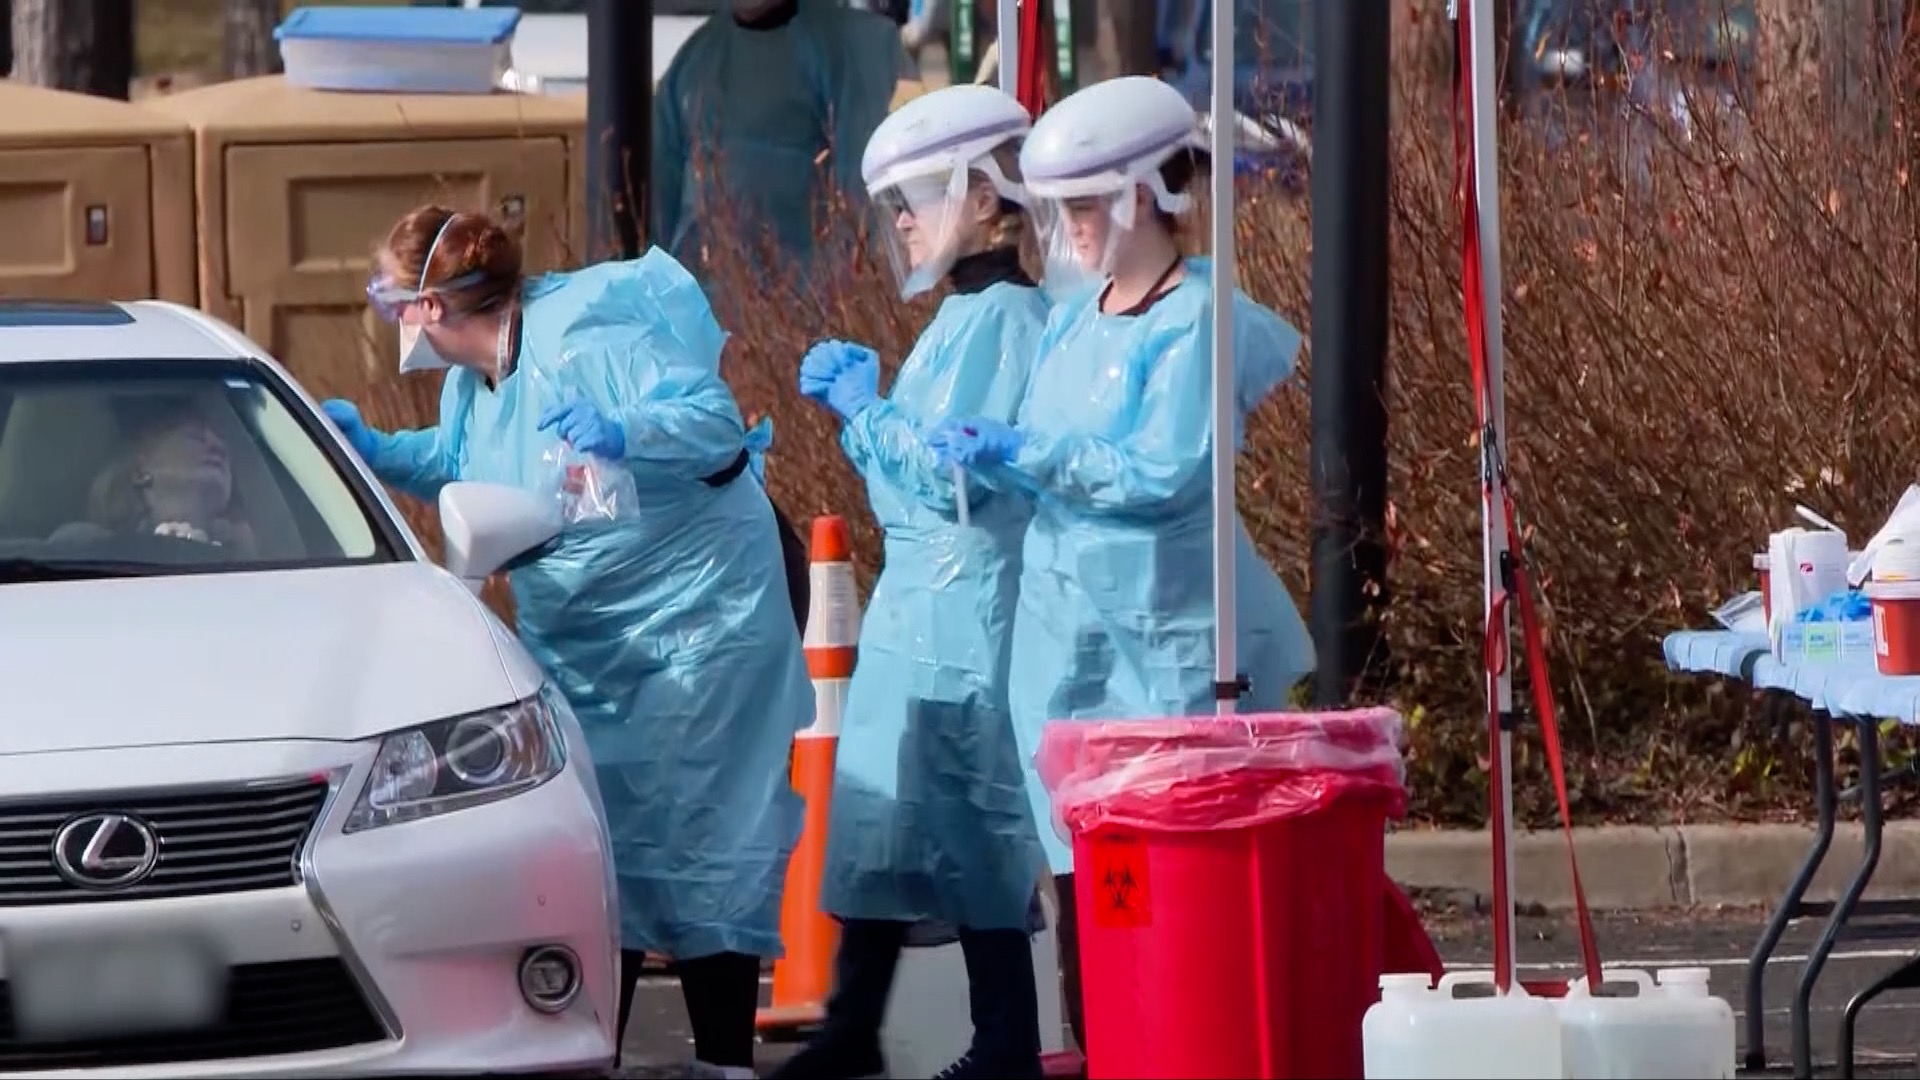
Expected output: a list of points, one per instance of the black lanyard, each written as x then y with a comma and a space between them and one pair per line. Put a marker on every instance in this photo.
1153, 296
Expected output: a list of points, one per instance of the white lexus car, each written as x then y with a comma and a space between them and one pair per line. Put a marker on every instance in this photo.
278, 797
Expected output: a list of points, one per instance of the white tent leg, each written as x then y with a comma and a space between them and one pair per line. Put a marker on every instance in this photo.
1225, 281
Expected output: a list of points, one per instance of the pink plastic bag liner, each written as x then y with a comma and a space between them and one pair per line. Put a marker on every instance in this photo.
1191, 774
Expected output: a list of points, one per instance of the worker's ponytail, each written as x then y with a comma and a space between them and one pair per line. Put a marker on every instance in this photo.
1009, 230
1178, 173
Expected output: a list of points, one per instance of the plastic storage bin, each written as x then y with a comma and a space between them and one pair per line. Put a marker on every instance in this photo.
398, 50
1418, 1033
1230, 883
1670, 1031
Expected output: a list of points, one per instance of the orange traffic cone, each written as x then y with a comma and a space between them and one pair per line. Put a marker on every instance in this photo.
804, 977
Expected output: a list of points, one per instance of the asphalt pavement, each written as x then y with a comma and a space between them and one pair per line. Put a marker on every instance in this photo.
1888, 1040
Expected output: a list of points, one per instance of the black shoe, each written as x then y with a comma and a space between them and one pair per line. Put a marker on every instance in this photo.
1005, 1005
848, 1046
834, 1058
972, 1066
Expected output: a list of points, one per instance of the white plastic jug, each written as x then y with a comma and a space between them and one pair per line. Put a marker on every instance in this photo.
1417, 1033
928, 1023
1819, 562
1670, 1031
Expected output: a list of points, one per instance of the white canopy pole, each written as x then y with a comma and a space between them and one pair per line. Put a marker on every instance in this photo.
1484, 66
1006, 35
1226, 664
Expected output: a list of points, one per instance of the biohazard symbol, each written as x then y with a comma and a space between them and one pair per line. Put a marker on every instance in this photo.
1123, 896
1120, 888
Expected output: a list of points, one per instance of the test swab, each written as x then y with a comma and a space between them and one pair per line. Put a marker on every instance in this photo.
960, 496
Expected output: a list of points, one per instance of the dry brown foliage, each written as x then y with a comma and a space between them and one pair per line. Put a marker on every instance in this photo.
1686, 360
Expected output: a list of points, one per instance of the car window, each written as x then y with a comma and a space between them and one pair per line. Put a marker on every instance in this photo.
1268, 34
1272, 33
174, 466
1582, 23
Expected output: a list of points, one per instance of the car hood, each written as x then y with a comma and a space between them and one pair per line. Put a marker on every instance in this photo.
336, 654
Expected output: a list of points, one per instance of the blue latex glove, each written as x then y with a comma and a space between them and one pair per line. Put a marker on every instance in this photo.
856, 387
822, 365
346, 416
1847, 605
586, 430
974, 441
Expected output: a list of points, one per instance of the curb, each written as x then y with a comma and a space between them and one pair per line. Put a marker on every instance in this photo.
1636, 867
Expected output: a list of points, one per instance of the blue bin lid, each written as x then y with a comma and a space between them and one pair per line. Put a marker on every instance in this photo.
418, 25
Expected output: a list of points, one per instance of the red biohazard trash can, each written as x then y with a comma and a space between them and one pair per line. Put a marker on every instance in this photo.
1230, 879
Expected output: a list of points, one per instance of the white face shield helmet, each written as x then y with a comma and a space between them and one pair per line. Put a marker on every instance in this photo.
1083, 223
1086, 159
926, 169
923, 220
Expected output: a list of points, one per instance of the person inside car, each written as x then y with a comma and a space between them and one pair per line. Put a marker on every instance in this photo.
174, 479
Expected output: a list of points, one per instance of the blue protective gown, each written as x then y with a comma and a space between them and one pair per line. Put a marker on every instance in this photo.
930, 816
670, 632
1115, 618
773, 119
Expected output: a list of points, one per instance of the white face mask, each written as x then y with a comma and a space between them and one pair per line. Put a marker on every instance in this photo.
417, 353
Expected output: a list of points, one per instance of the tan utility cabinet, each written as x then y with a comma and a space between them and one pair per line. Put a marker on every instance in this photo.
96, 199
295, 188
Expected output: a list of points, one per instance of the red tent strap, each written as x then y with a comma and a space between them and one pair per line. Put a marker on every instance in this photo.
1518, 588
1032, 72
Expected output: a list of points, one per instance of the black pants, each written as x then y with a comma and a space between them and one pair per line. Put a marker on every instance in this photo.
1067, 934
722, 994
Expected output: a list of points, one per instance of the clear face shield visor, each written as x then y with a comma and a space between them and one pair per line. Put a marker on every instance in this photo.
1084, 222
925, 222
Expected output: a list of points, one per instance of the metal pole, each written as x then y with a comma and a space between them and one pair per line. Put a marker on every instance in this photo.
619, 126
1227, 683
1484, 68
1349, 412
1007, 33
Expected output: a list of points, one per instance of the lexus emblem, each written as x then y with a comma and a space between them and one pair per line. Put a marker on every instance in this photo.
105, 851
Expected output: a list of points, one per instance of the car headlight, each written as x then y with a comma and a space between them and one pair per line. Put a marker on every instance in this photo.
460, 762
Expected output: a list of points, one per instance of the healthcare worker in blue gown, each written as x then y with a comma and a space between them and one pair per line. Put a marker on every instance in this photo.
930, 818
761, 117
669, 631
1114, 442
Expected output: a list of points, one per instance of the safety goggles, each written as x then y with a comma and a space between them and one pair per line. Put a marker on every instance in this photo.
389, 298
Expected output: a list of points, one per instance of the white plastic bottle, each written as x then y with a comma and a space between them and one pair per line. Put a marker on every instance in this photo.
1673, 1030
1417, 1033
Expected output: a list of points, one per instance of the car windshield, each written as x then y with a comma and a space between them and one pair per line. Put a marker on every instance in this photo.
135, 468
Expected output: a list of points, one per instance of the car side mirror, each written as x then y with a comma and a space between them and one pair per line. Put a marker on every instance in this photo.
488, 526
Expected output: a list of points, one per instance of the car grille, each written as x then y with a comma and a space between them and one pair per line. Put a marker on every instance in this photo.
232, 840
292, 1007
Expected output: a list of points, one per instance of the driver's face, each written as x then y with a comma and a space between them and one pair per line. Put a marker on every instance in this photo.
186, 471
